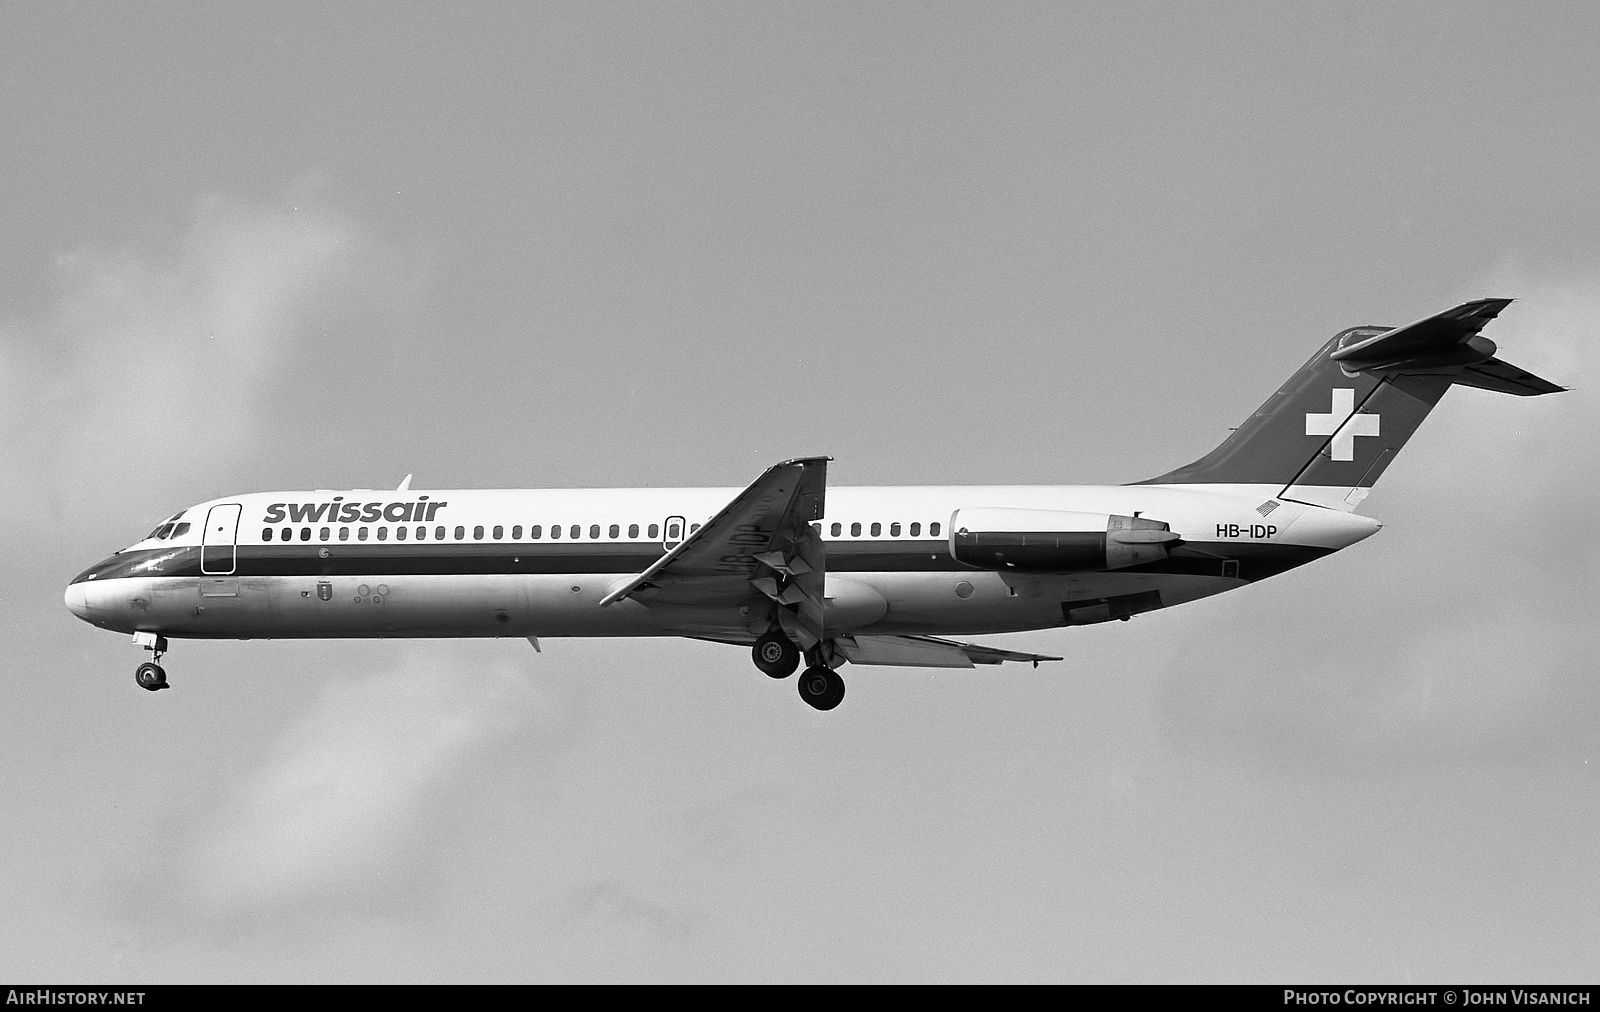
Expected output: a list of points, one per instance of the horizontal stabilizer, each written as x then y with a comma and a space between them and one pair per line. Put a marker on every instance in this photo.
927, 652
1505, 378
1438, 333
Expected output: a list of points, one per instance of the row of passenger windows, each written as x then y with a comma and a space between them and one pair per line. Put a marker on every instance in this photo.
876, 530
537, 532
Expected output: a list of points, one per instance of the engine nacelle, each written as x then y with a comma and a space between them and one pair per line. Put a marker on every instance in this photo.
1056, 541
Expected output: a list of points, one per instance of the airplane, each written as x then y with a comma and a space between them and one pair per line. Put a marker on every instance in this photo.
795, 570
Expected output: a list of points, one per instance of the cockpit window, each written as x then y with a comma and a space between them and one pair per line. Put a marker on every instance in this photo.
164, 530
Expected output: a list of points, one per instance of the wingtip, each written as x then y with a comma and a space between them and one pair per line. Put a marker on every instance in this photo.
1494, 307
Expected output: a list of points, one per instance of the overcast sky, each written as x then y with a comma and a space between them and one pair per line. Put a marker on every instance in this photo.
585, 245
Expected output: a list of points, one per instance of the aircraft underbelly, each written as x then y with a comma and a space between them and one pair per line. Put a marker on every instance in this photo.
554, 605
971, 603
295, 607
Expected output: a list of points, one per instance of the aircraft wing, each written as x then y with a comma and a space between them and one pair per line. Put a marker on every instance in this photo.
928, 652
761, 541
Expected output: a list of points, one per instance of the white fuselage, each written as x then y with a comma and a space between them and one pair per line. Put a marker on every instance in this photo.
364, 563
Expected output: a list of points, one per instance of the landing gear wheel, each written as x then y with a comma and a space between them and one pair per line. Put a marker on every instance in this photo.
150, 676
822, 687
776, 655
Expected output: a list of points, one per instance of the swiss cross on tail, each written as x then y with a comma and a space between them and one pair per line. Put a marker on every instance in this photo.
1343, 423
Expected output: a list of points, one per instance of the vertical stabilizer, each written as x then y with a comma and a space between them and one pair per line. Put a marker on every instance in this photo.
1330, 431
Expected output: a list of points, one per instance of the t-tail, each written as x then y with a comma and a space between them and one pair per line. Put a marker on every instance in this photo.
1328, 433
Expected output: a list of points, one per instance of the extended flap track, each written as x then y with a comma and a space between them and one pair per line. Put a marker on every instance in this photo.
793, 577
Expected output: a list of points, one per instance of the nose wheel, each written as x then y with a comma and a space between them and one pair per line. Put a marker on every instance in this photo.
822, 687
150, 674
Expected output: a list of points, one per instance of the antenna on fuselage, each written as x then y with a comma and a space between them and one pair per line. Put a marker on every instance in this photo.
405, 486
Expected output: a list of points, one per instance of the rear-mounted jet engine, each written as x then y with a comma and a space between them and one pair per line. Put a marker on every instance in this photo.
1056, 541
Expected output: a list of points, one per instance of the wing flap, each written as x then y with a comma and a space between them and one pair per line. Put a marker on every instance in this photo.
928, 652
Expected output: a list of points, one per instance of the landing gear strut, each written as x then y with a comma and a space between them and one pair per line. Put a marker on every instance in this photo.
776, 655
822, 687
149, 675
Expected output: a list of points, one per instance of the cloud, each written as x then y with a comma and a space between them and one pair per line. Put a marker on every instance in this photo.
355, 806
154, 358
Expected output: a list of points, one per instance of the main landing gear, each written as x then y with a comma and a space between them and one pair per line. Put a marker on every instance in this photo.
150, 675
776, 655
822, 687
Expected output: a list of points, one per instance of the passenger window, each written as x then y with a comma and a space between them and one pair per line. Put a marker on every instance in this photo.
438, 533
461, 532
855, 530
877, 529
933, 530
422, 534
836, 529
266, 534
693, 528
477, 533
653, 532
287, 533
516, 533
383, 533
322, 535
536, 531
344, 534
615, 532
894, 530
399, 533
576, 531
305, 534
594, 530
633, 530
916, 530
555, 530
499, 532
361, 534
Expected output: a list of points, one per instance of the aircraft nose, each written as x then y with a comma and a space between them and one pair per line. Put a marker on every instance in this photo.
77, 598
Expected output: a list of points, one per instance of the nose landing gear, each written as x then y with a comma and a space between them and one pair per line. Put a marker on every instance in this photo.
150, 675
